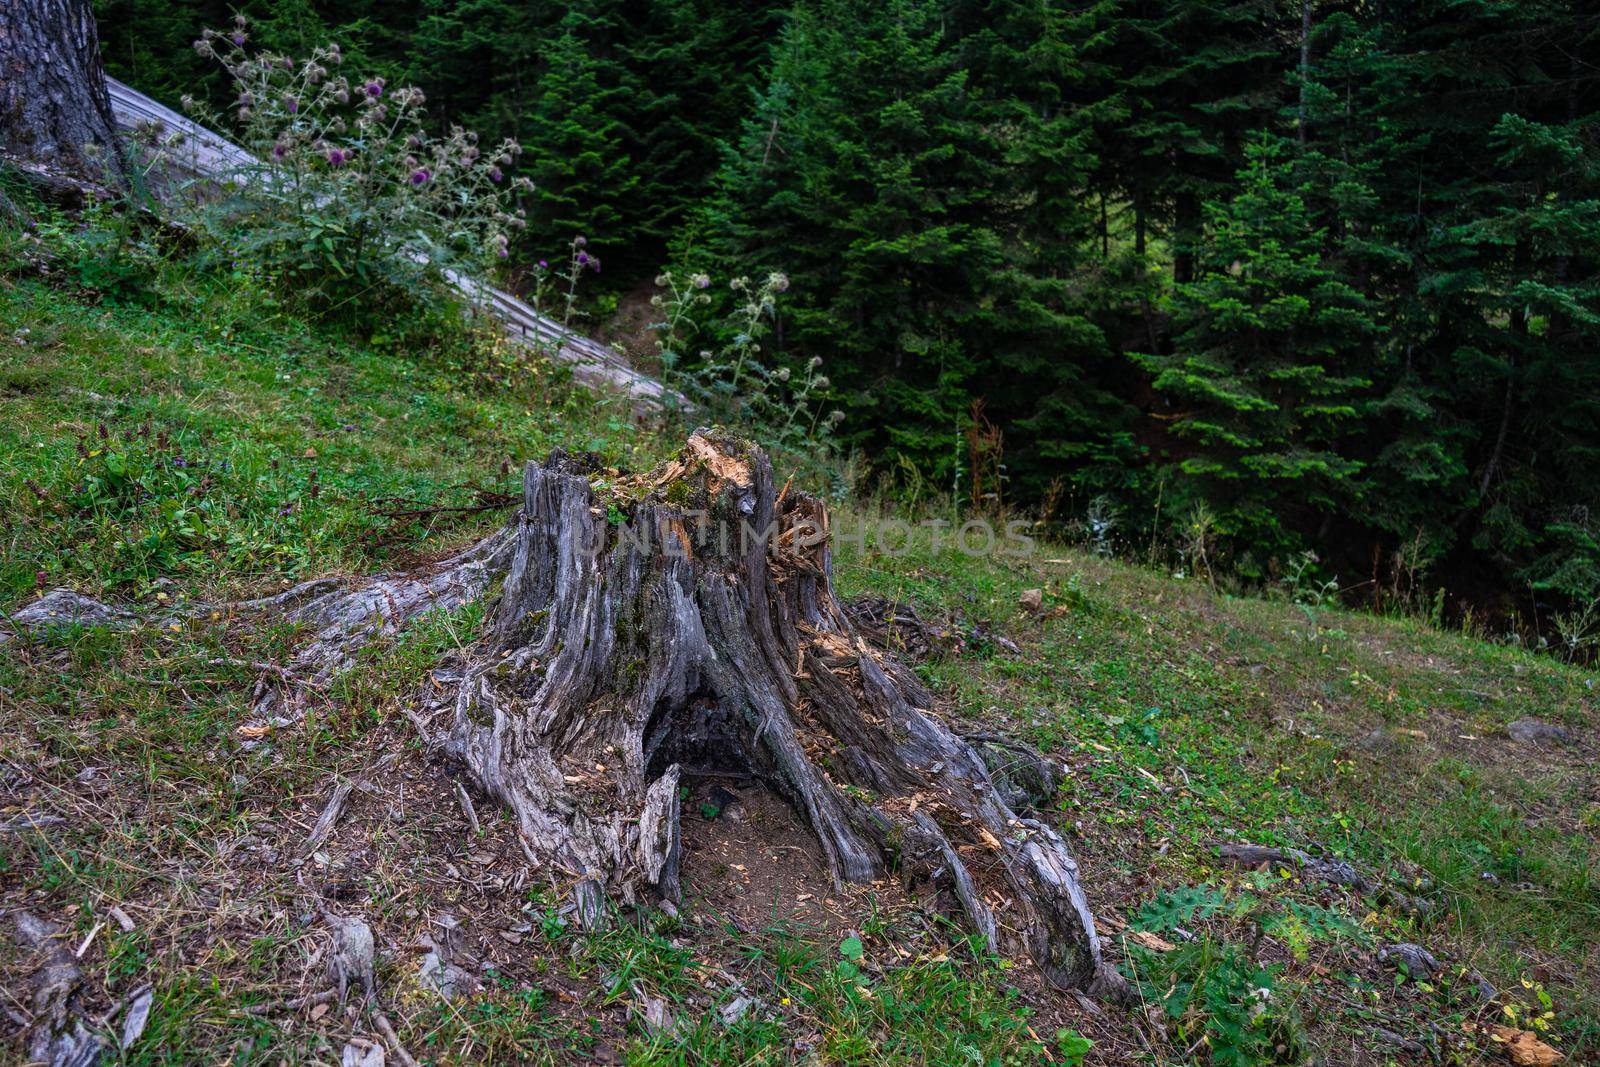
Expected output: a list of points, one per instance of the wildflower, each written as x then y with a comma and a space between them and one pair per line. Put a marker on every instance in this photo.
342, 95
594, 261
582, 259
279, 150
374, 88
239, 38
246, 100
187, 102
544, 264
783, 374
701, 281
779, 282
821, 383
291, 104
579, 241
835, 417
816, 361
420, 176
495, 175
663, 279
336, 156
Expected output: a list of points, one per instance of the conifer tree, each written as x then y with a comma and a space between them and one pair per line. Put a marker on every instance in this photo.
576, 143
1266, 381
865, 175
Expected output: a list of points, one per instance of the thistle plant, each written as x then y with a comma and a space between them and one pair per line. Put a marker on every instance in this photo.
737, 380
347, 192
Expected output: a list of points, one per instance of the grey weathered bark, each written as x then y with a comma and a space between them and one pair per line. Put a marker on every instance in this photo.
642, 636
54, 109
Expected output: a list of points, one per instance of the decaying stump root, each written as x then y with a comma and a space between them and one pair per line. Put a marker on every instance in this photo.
659, 631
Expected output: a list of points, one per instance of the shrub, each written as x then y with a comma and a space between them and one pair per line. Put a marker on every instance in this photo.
348, 195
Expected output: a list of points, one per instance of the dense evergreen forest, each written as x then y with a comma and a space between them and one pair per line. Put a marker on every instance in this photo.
1272, 277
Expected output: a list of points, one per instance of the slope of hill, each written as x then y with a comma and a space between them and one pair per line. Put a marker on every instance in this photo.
177, 444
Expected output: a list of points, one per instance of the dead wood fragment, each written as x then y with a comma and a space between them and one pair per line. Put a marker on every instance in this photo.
386, 1029
1335, 872
57, 1035
467, 809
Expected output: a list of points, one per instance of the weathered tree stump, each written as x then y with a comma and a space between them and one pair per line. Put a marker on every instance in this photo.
686, 623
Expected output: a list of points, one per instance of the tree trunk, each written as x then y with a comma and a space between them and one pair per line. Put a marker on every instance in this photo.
54, 110
685, 624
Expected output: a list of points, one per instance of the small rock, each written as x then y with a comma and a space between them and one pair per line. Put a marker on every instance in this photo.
1377, 741
737, 1009
1535, 732
1031, 600
362, 1054
1418, 961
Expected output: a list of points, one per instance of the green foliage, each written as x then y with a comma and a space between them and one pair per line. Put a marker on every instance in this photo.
1216, 996
583, 179
1333, 280
1267, 371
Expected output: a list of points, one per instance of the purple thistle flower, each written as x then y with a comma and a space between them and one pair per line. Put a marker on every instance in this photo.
292, 104
594, 261
583, 259
494, 174
280, 150
580, 240
336, 156
420, 176
374, 89
544, 264
239, 39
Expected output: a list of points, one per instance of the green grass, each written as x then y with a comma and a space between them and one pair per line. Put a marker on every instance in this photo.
1186, 718
1192, 717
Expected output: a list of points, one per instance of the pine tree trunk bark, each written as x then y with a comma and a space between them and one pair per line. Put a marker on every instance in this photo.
685, 624
54, 110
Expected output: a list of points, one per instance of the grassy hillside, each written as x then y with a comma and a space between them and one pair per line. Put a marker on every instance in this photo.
183, 442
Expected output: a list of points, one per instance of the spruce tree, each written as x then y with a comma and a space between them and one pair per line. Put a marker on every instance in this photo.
576, 143
866, 175
1266, 381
